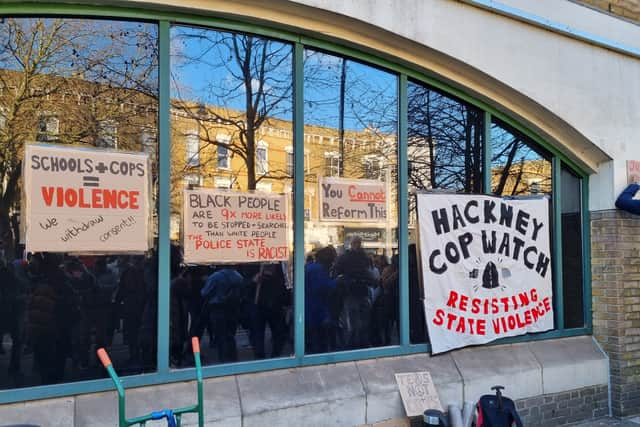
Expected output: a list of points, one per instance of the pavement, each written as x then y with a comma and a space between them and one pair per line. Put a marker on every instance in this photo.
611, 422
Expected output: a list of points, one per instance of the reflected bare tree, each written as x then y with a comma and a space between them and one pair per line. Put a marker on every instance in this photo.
248, 86
517, 167
70, 81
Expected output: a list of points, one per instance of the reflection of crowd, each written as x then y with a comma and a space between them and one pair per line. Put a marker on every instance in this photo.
351, 300
225, 299
59, 308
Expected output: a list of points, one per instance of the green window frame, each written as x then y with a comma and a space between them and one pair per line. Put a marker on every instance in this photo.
164, 373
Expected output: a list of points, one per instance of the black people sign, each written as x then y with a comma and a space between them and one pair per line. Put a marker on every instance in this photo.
85, 200
486, 268
234, 226
352, 200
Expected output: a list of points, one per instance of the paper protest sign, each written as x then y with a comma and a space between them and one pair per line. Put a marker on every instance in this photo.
352, 200
234, 226
418, 392
486, 267
85, 200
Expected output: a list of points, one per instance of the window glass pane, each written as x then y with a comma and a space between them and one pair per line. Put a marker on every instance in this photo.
223, 157
351, 277
89, 84
572, 276
235, 90
518, 167
445, 144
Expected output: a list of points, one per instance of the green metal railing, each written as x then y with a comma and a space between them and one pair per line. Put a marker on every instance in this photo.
173, 416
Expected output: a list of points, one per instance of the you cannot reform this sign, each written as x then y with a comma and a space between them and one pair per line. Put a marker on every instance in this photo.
84, 200
229, 226
486, 268
356, 200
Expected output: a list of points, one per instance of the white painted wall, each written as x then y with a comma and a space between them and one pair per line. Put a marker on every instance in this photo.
595, 90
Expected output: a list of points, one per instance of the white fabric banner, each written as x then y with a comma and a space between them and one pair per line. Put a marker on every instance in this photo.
486, 268
85, 200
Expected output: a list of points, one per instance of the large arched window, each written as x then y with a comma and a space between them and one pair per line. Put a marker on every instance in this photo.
335, 141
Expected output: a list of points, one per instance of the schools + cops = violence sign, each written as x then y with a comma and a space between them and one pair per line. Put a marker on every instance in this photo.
356, 200
486, 268
234, 226
85, 200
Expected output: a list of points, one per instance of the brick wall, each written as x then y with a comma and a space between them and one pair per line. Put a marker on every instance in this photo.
615, 265
628, 9
564, 408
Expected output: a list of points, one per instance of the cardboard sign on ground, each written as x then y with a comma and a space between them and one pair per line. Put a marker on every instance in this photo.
395, 422
418, 393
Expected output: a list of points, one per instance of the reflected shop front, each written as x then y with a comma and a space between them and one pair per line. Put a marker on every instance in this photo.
321, 212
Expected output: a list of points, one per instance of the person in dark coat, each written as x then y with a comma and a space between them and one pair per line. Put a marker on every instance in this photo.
319, 288
353, 296
269, 302
51, 315
131, 298
221, 295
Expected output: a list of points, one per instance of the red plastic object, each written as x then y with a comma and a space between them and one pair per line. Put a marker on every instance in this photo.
104, 357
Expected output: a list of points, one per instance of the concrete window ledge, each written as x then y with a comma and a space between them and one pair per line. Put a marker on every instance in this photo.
344, 394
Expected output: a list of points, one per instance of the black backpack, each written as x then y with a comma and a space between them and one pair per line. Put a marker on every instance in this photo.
497, 410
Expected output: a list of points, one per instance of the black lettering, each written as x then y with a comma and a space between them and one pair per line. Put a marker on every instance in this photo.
464, 241
522, 221
489, 246
35, 162
440, 221
543, 264
471, 219
488, 211
505, 247
432, 264
527, 251
536, 228
517, 245
458, 221
451, 252
506, 214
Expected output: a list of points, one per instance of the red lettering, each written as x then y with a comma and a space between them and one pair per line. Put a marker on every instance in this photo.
527, 317
453, 296
122, 204
463, 302
60, 193
438, 320
47, 195
213, 244
475, 305
365, 196
519, 321
70, 197
450, 318
133, 199
96, 198
110, 197
547, 304
481, 327
82, 203
278, 252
